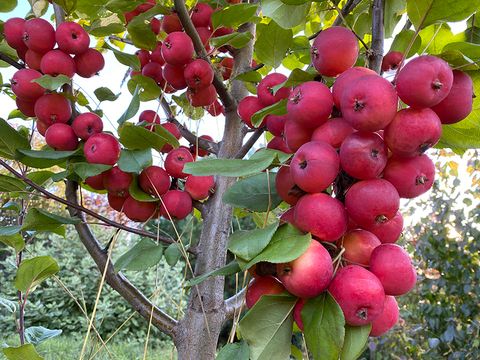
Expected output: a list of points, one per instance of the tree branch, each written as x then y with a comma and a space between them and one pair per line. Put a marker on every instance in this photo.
117, 281
250, 142
234, 304
225, 96
92, 213
10, 61
347, 8
117, 38
375, 53
210, 146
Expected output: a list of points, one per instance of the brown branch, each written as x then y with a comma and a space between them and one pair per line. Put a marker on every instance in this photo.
250, 142
375, 53
117, 281
210, 146
234, 304
92, 213
225, 96
347, 8
10, 61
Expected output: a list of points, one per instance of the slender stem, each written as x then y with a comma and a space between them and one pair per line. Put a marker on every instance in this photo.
117, 38
347, 8
225, 96
375, 54
88, 211
250, 142
21, 306
10, 61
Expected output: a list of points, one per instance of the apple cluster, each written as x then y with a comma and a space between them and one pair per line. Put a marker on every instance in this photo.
355, 155
172, 64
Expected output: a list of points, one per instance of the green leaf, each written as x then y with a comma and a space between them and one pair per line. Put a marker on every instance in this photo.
249, 243
403, 39
106, 26
435, 37
105, 94
236, 39
461, 53
122, 6
296, 77
356, 338
286, 245
9, 184
324, 327
434, 11
134, 161
15, 241
38, 334
393, 10
7, 5
85, 170
138, 194
229, 269
279, 108
234, 351
132, 108
10, 230
10, 305
138, 138
16, 114
287, 16
45, 158
256, 193
249, 76
32, 272
142, 256
147, 87
233, 15
129, 60
52, 82
41, 220
24, 352
11, 140
267, 327
172, 254
194, 113
140, 31
272, 43
11, 206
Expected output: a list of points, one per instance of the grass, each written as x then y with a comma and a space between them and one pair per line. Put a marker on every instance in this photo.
69, 348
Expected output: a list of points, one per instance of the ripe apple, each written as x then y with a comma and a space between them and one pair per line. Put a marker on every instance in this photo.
198, 74
172, 129
359, 293
116, 202
358, 245
87, 124
371, 202
215, 109
412, 132
13, 30
173, 74
95, 182
154, 180
363, 155
139, 211
333, 132
392, 60
199, 187
334, 50
25, 106
117, 181
314, 166
202, 96
61, 137
278, 143
202, 15
177, 48
344, 80
310, 104
458, 103
24, 87
171, 23
265, 92
424, 81
393, 267
226, 67
176, 160
33, 59
56, 62
286, 187
276, 124
39, 35
388, 231
156, 54
89, 63
53, 108
321, 215
102, 148
296, 135
387, 319
201, 152
369, 103
42, 127
176, 204
72, 38
143, 56
248, 106
262, 285
308, 275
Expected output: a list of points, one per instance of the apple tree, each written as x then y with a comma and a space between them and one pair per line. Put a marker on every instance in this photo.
349, 123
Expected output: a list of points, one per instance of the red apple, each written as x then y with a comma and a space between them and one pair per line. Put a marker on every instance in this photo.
61, 137
154, 180
72, 38
262, 285
102, 148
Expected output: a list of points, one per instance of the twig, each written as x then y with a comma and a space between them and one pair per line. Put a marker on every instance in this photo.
88, 211
234, 303
250, 142
347, 8
10, 61
375, 54
225, 96
210, 146
118, 38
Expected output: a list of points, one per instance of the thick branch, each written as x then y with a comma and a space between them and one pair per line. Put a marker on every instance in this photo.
210, 146
225, 96
347, 8
10, 61
117, 281
82, 209
234, 304
375, 53
250, 142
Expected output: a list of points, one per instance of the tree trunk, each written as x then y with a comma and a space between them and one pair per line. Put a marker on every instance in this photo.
197, 333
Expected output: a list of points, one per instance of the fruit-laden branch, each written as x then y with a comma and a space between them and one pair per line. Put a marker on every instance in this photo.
250, 142
225, 96
82, 209
347, 8
210, 146
10, 61
117, 281
375, 54
234, 304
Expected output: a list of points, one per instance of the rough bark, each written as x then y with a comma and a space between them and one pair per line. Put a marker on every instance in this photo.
375, 55
197, 334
